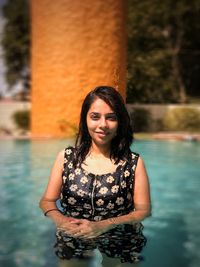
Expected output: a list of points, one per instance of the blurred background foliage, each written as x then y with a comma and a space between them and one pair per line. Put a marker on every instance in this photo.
16, 42
22, 119
141, 120
184, 119
163, 49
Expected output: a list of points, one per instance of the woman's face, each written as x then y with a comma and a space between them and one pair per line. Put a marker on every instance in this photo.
102, 123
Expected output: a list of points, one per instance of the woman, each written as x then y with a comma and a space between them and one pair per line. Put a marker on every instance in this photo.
102, 186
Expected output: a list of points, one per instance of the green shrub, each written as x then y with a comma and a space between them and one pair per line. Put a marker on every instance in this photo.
182, 119
140, 120
22, 119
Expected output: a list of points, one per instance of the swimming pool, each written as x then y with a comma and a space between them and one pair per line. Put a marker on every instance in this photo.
173, 230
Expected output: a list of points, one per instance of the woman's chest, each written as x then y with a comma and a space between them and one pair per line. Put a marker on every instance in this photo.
81, 185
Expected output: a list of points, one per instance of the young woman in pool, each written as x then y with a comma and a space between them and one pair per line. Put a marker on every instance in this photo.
103, 188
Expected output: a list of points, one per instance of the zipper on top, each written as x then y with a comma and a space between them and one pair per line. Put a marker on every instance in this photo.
92, 195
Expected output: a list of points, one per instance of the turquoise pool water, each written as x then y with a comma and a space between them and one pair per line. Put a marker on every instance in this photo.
173, 231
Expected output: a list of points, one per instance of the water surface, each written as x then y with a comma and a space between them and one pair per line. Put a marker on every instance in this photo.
173, 231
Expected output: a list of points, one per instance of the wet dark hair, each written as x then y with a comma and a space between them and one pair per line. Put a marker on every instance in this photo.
120, 145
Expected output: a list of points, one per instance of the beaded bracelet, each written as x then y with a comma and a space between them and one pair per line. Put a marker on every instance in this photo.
45, 214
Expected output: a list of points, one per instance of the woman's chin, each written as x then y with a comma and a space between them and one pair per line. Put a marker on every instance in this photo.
102, 142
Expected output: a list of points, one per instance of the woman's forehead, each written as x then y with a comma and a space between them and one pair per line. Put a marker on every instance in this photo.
100, 106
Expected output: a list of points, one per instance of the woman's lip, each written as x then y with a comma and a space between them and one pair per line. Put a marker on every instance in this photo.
102, 133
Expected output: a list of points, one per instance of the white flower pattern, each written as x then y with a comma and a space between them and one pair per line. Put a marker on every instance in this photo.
70, 165
68, 151
120, 200
123, 184
110, 179
80, 193
84, 180
115, 188
133, 156
103, 190
77, 171
126, 173
110, 206
100, 202
71, 200
71, 176
73, 187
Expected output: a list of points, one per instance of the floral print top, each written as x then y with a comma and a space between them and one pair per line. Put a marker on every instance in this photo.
98, 197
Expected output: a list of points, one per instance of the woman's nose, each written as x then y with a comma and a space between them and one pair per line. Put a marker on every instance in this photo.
103, 122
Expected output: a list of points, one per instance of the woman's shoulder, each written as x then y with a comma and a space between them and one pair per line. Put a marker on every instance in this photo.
69, 153
137, 160
134, 158
66, 152
65, 155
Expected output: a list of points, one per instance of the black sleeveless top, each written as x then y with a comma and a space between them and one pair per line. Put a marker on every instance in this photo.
85, 195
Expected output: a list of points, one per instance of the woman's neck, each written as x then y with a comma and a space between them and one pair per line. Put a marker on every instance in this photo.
99, 150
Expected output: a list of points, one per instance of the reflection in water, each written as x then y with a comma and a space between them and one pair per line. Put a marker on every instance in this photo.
27, 238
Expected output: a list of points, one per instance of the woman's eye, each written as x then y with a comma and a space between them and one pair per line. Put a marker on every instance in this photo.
112, 117
94, 117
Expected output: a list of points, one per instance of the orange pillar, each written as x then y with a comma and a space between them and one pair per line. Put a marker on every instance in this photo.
76, 46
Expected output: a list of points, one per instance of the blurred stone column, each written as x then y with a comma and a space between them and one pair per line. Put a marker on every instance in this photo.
76, 46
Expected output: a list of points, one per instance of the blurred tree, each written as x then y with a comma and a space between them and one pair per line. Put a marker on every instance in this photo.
190, 52
16, 42
163, 48
160, 44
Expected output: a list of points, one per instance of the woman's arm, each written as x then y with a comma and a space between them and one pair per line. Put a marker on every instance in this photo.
52, 193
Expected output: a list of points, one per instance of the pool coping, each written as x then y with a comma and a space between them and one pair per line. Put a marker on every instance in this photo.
178, 136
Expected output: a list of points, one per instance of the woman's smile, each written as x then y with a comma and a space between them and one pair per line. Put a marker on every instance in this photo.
102, 133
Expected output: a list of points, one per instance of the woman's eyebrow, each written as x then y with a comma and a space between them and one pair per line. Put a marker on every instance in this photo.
107, 114
94, 113
111, 113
